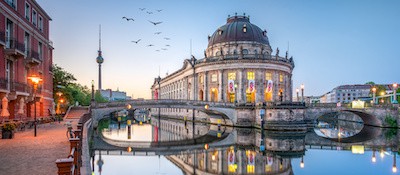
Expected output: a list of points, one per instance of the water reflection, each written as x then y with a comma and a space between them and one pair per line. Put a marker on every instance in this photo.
182, 147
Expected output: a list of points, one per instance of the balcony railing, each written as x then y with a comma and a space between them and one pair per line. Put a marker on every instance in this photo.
33, 57
14, 47
20, 87
4, 84
245, 56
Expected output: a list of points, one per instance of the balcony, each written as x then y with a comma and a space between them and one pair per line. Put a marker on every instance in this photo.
4, 85
33, 57
13, 47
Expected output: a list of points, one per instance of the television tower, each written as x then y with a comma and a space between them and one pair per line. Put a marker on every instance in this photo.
99, 58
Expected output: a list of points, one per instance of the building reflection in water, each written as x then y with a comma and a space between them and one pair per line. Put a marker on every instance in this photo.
239, 150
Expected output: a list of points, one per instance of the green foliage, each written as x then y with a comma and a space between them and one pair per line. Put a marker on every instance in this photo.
98, 98
72, 92
9, 127
105, 123
390, 121
370, 82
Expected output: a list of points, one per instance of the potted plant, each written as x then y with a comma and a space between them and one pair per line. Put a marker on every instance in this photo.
8, 130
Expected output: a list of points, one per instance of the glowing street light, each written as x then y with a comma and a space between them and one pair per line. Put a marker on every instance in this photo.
297, 92
206, 107
35, 81
394, 168
394, 93
373, 159
374, 95
302, 162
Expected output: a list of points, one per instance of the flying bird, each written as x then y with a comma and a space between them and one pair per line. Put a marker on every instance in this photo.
155, 23
159, 10
142, 9
149, 12
167, 45
136, 41
127, 19
166, 38
150, 45
164, 49
157, 33
157, 50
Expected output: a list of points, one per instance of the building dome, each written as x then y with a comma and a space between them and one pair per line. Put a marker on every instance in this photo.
238, 28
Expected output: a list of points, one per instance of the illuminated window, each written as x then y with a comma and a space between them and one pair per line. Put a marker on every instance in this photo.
232, 76
268, 76
214, 78
201, 79
250, 75
280, 78
244, 28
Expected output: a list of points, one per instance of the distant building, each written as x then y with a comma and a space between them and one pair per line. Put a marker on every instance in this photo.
25, 51
347, 93
111, 95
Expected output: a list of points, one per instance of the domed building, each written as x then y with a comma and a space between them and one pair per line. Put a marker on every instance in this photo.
238, 67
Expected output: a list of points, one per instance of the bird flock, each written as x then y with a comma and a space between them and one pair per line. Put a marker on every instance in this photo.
154, 23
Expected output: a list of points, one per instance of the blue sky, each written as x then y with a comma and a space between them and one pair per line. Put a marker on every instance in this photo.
332, 42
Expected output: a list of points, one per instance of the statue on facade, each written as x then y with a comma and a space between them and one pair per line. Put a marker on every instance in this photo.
277, 52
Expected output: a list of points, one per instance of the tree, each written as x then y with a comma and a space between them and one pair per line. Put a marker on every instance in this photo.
72, 92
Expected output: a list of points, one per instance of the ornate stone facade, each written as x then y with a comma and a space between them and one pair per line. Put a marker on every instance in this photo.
237, 67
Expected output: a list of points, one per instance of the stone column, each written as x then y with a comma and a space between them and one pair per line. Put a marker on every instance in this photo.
205, 89
240, 86
259, 78
275, 90
220, 86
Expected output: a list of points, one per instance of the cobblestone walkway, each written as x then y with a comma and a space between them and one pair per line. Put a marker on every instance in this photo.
26, 154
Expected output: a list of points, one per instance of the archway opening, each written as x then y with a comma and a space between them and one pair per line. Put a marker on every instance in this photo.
201, 95
214, 94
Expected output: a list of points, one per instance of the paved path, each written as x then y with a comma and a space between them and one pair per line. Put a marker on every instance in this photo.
26, 154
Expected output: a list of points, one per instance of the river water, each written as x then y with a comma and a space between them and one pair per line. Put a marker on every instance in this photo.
169, 146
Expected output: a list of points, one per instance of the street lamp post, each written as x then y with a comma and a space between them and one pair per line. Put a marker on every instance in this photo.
159, 87
297, 92
374, 95
302, 92
35, 81
394, 93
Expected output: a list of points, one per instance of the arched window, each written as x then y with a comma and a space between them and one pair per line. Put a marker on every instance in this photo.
245, 51
244, 28
234, 52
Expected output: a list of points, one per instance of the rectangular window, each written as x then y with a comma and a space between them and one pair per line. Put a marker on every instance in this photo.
250, 76
214, 78
34, 17
280, 78
232, 76
268, 76
40, 51
9, 33
26, 43
12, 3
40, 23
201, 79
27, 11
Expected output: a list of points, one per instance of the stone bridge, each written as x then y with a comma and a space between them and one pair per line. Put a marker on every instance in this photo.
248, 115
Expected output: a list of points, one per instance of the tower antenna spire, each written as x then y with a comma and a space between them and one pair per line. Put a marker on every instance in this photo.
99, 37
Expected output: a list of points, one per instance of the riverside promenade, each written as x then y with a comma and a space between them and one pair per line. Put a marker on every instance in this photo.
26, 154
